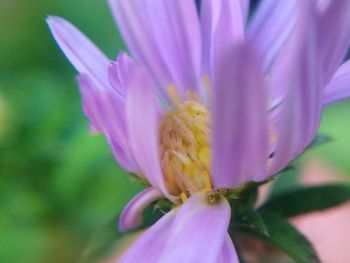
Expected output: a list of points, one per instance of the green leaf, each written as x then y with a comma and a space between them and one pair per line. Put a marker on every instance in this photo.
307, 199
282, 235
250, 220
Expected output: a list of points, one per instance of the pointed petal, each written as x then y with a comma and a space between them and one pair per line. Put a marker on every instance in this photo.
105, 110
142, 113
130, 217
81, 52
240, 144
149, 246
165, 36
119, 71
334, 36
198, 232
222, 25
270, 27
299, 71
339, 87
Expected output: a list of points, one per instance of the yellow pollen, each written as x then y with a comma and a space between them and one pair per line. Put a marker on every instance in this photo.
185, 148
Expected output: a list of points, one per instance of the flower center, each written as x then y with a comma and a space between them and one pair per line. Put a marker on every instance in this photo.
185, 148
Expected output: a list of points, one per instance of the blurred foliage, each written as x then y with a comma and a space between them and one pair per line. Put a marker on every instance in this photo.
59, 186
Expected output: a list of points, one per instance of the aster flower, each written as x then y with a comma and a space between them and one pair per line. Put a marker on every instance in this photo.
206, 104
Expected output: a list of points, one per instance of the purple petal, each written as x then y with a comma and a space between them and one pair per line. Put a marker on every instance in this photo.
165, 36
135, 28
322, 5
299, 71
148, 247
228, 253
196, 232
245, 5
339, 87
81, 52
142, 113
119, 71
270, 27
222, 26
130, 217
102, 105
105, 110
240, 144
175, 25
334, 36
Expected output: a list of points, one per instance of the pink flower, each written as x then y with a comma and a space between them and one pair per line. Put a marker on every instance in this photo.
204, 107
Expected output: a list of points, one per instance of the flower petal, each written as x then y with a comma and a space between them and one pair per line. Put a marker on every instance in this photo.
175, 25
81, 52
339, 87
334, 36
165, 36
245, 5
135, 28
198, 232
142, 113
222, 25
240, 144
299, 71
105, 110
228, 253
149, 246
119, 71
270, 27
102, 105
130, 217
322, 5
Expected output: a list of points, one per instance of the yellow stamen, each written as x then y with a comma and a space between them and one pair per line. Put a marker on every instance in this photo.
185, 148
183, 197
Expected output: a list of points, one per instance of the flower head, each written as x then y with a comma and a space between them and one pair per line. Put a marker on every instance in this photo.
205, 105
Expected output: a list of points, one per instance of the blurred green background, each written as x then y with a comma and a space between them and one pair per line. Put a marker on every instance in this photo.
59, 186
